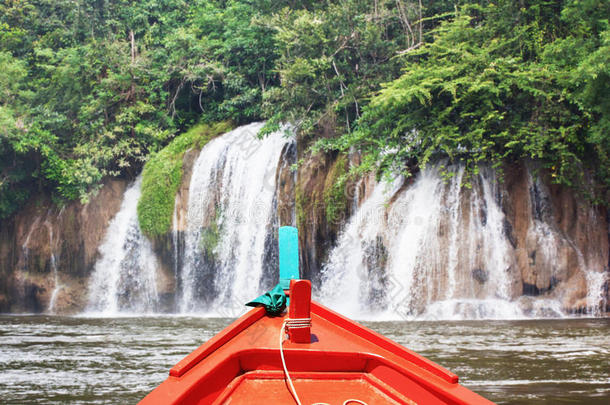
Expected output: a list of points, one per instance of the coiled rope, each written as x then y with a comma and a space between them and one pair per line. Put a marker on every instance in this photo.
295, 324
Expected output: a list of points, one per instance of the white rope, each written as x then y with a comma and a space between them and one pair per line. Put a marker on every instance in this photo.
295, 324
293, 391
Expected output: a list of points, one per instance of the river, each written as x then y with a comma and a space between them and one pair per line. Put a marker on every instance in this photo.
77, 360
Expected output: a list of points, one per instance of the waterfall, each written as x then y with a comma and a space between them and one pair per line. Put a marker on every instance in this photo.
423, 248
430, 250
346, 277
552, 241
481, 265
230, 215
219, 259
596, 299
176, 244
56, 285
25, 247
53, 262
433, 249
124, 277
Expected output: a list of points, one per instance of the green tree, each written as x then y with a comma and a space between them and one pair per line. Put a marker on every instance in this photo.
19, 143
333, 56
500, 81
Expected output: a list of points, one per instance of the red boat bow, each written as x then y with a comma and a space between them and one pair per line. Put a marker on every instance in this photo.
333, 361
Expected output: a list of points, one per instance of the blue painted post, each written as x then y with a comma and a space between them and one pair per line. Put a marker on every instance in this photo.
289, 255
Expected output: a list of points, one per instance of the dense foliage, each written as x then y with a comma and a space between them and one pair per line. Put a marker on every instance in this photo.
331, 57
92, 88
500, 81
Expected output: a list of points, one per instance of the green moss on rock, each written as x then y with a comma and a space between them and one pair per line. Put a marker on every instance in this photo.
302, 202
335, 200
162, 176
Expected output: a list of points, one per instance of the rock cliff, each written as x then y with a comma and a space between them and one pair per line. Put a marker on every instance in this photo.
557, 237
45, 249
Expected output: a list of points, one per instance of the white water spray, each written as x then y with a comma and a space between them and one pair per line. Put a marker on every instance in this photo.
230, 210
53, 261
124, 278
346, 277
436, 251
595, 292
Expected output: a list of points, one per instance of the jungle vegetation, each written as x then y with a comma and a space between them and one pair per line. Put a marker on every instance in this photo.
95, 88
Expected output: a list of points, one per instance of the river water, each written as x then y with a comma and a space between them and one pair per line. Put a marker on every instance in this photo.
46, 360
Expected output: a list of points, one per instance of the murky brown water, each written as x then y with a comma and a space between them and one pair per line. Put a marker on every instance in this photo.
47, 360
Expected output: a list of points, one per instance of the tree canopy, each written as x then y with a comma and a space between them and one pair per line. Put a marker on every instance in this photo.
92, 88
499, 81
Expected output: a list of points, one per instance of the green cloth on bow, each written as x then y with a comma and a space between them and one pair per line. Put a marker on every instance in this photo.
274, 301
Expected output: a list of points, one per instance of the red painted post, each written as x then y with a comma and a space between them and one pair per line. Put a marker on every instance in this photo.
300, 308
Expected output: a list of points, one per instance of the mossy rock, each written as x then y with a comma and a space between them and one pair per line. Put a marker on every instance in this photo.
335, 200
162, 176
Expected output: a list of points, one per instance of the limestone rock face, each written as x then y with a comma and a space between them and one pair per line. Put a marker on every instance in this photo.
316, 234
46, 249
316, 177
559, 237
541, 247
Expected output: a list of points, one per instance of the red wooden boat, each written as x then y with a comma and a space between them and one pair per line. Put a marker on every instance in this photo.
329, 360
307, 355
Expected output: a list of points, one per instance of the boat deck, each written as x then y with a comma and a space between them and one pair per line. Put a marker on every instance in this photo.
324, 388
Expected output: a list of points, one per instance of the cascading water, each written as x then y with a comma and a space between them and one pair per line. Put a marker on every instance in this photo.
346, 278
176, 247
480, 269
25, 246
552, 242
596, 299
431, 249
230, 209
435, 251
53, 261
124, 277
